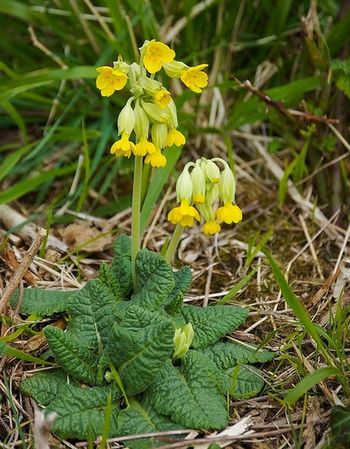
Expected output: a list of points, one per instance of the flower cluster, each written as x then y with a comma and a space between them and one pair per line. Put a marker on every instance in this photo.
150, 113
200, 188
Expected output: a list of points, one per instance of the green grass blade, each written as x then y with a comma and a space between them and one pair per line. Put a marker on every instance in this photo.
308, 382
236, 288
13, 352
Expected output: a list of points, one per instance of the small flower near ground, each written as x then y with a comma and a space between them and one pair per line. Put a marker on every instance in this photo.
229, 213
155, 55
109, 80
211, 227
123, 147
175, 137
185, 215
156, 159
182, 340
144, 147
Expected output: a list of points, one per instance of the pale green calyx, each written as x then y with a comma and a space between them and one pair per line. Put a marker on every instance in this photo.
182, 340
212, 171
141, 122
198, 182
227, 185
159, 134
174, 69
155, 114
184, 186
172, 114
126, 119
121, 65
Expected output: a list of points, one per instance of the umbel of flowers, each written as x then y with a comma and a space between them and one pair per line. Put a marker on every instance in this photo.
206, 188
148, 122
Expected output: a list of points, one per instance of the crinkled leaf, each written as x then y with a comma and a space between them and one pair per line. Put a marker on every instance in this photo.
121, 265
94, 310
228, 354
141, 417
243, 381
155, 280
136, 318
183, 279
340, 425
73, 358
38, 301
110, 281
139, 355
212, 323
81, 411
45, 386
189, 394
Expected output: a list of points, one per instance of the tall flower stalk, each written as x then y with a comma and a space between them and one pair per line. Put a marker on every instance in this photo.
148, 122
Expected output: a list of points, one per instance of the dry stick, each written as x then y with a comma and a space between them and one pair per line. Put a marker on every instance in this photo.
11, 219
312, 248
23, 266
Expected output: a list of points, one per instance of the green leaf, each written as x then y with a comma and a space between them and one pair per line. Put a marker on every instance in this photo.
228, 354
243, 381
40, 302
45, 386
340, 425
189, 394
155, 280
183, 279
137, 318
81, 412
76, 360
107, 277
141, 417
94, 311
139, 355
211, 323
121, 265
308, 382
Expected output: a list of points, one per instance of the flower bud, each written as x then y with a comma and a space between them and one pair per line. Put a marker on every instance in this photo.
198, 183
175, 69
182, 340
141, 122
184, 186
170, 109
155, 114
159, 134
212, 172
227, 185
126, 119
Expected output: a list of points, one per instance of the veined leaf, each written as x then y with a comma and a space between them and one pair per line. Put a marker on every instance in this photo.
137, 318
155, 280
211, 323
76, 360
243, 382
139, 355
141, 417
94, 311
45, 386
109, 280
37, 301
228, 354
183, 279
189, 394
121, 265
81, 411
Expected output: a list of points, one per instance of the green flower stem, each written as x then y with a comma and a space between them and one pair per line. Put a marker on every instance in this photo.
170, 252
136, 213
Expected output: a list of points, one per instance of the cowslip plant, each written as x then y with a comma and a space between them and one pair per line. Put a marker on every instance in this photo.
132, 357
164, 365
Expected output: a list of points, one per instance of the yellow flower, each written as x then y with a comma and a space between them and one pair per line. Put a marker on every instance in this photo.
175, 137
109, 80
184, 214
156, 54
156, 159
162, 98
198, 198
123, 147
194, 78
229, 213
211, 227
144, 147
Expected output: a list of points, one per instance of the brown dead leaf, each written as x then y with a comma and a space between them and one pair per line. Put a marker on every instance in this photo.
13, 263
85, 236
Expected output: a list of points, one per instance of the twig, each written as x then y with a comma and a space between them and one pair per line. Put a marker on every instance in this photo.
26, 261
